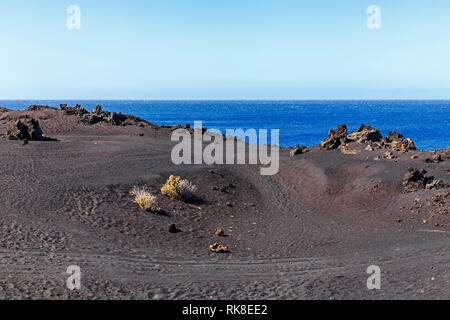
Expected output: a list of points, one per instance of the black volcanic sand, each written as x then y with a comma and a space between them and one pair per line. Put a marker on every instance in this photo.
309, 232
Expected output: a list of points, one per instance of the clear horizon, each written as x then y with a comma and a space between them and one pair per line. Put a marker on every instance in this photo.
253, 50
206, 100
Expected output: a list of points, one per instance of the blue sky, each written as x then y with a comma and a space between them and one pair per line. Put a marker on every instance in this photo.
215, 49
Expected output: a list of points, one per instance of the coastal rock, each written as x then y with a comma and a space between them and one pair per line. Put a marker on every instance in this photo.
38, 107
415, 179
25, 129
97, 115
365, 134
4, 109
396, 141
117, 118
98, 110
299, 150
91, 119
77, 110
114, 118
335, 138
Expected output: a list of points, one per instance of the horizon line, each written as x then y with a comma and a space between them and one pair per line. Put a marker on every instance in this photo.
246, 99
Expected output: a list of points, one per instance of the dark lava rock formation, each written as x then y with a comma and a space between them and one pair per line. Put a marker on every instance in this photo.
299, 150
365, 134
335, 138
38, 108
398, 142
99, 116
25, 129
77, 110
415, 179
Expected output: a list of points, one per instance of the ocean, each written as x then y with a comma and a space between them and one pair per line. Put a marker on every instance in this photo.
427, 122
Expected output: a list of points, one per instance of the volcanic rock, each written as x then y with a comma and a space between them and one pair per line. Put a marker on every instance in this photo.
38, 107
365, 134
398, 142
299, 150
114, 118
77, 110
218, 248
415, 179
335, 138
25, 129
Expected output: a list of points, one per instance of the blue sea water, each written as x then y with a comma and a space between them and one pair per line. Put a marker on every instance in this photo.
427, 122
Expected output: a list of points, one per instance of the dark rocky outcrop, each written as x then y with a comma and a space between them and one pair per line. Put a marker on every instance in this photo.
2, 109
415, 179
114, 118
335, 138
77, 110
25, 129
365, 134
397, 142
38, 108
299, 150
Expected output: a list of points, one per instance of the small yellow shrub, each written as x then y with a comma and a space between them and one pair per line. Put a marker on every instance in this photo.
144, 198
176, 188
171, 187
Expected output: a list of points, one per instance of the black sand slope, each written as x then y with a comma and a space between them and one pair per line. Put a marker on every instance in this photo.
309, 232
